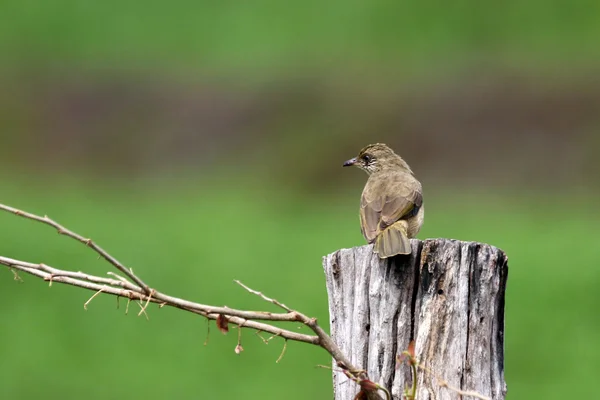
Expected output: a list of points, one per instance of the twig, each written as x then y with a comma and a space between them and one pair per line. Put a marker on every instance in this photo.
262, 296
132, 292
88, 242
126, 289
325, 340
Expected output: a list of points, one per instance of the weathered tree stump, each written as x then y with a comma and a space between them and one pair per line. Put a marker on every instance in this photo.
447, 296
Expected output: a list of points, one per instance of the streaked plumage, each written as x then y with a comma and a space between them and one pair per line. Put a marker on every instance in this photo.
391, 206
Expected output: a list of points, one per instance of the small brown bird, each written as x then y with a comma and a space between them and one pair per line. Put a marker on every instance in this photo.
391, 206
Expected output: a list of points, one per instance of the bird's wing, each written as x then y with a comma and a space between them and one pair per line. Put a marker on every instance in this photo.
370, 209
381, 206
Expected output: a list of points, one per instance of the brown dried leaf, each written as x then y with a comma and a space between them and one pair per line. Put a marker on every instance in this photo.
411, 351
222, 324
411, 348
369, 386
362, 395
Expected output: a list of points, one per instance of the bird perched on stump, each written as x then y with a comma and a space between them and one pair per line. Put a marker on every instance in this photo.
391, 206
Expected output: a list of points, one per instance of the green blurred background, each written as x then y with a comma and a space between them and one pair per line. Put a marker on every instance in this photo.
201, 142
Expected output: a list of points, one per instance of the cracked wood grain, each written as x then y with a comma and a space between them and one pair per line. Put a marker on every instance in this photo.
447, 295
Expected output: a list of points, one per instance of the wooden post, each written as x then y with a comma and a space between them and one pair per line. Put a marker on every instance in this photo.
447, 296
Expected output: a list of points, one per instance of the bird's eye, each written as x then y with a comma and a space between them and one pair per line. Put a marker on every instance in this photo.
367, 158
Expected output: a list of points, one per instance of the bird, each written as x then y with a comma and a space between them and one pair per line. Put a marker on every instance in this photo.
391, 205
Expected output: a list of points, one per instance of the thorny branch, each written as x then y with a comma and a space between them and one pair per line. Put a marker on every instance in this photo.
134, 288
88, 242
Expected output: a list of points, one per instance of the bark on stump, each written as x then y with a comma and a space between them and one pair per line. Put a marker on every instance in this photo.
447, 295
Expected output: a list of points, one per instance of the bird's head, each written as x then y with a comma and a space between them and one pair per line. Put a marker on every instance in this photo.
378, 157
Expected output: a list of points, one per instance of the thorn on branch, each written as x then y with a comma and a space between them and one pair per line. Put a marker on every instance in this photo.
50, 276
266, 341
16, 276
119, 277
257, 333
207, 331
282, 351
143, 310
91, 298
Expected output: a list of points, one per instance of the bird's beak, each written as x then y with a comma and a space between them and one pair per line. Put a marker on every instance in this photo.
350, 162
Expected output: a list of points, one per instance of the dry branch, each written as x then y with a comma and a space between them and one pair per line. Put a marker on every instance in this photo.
133, 288
88, 242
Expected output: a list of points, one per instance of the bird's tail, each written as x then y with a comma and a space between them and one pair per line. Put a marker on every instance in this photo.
393, 240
